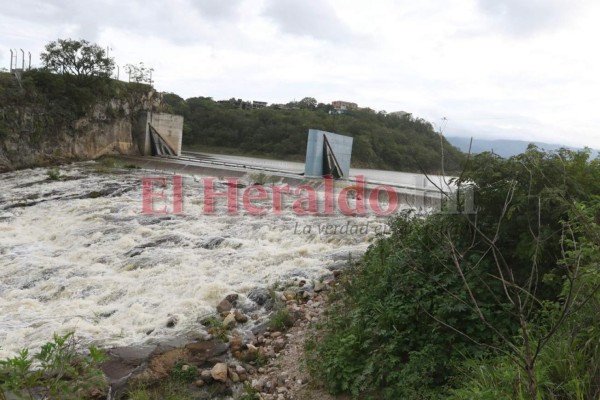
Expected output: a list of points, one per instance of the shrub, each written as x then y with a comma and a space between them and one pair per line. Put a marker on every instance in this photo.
57, 371
281, 319
489, 294
184, 372
54, 174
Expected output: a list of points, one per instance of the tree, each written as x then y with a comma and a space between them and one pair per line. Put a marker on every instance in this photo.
139, 73
309, 103
77, 57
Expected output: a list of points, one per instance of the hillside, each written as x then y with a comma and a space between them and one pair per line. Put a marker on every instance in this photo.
380, 141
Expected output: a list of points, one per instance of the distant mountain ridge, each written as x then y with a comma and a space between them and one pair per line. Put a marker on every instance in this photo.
505, 147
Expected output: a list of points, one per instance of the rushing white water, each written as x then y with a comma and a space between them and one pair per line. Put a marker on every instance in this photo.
79, 255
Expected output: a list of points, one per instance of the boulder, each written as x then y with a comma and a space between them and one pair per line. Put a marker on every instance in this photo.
260, 296
239, 317
319, 287
219, 372
229, 320
224, 306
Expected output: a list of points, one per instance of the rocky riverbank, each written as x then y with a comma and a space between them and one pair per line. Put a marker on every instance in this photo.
244, 355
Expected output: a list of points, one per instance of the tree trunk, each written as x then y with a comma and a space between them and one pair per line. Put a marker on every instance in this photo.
532, 380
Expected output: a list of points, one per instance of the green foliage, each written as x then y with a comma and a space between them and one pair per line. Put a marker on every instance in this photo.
54, 174
568, 366
217, 328
249, 393
490, 379
79, 58
184, 372
139, 73
57, 371
281, 319
501, 304
107, 164
381, 141
66, 97
261, 178
169, 389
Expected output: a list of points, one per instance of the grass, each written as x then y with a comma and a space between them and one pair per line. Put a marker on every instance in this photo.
54, 174
107, 164
184, 372
169, 389
249, 393
217, 328
281, 320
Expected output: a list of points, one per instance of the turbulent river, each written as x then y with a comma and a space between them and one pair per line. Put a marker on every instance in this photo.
78, 254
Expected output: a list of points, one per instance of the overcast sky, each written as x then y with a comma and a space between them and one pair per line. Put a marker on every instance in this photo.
515, 69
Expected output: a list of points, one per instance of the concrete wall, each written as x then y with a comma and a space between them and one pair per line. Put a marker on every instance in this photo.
341, 146
169, 126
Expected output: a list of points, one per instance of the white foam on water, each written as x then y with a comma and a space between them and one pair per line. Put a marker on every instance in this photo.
74, 260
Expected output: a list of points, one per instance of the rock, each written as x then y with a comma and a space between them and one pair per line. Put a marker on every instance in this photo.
235, 378
271, 384
260, 296
224, 306
240, 370
235, 343
212, 243
239, 317
232, 298
276, 334
199, 383
319, 287
206, 350
172, 321
279, 345
229, 320
206, 375
270, 353
219, 372
289, 295
258, 384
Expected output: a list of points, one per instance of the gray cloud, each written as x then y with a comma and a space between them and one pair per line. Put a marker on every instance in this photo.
178, 21
314, 19
217, 9
525, 17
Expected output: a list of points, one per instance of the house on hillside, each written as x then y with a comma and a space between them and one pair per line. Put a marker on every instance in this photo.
401, 114
340, 107
259, 104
